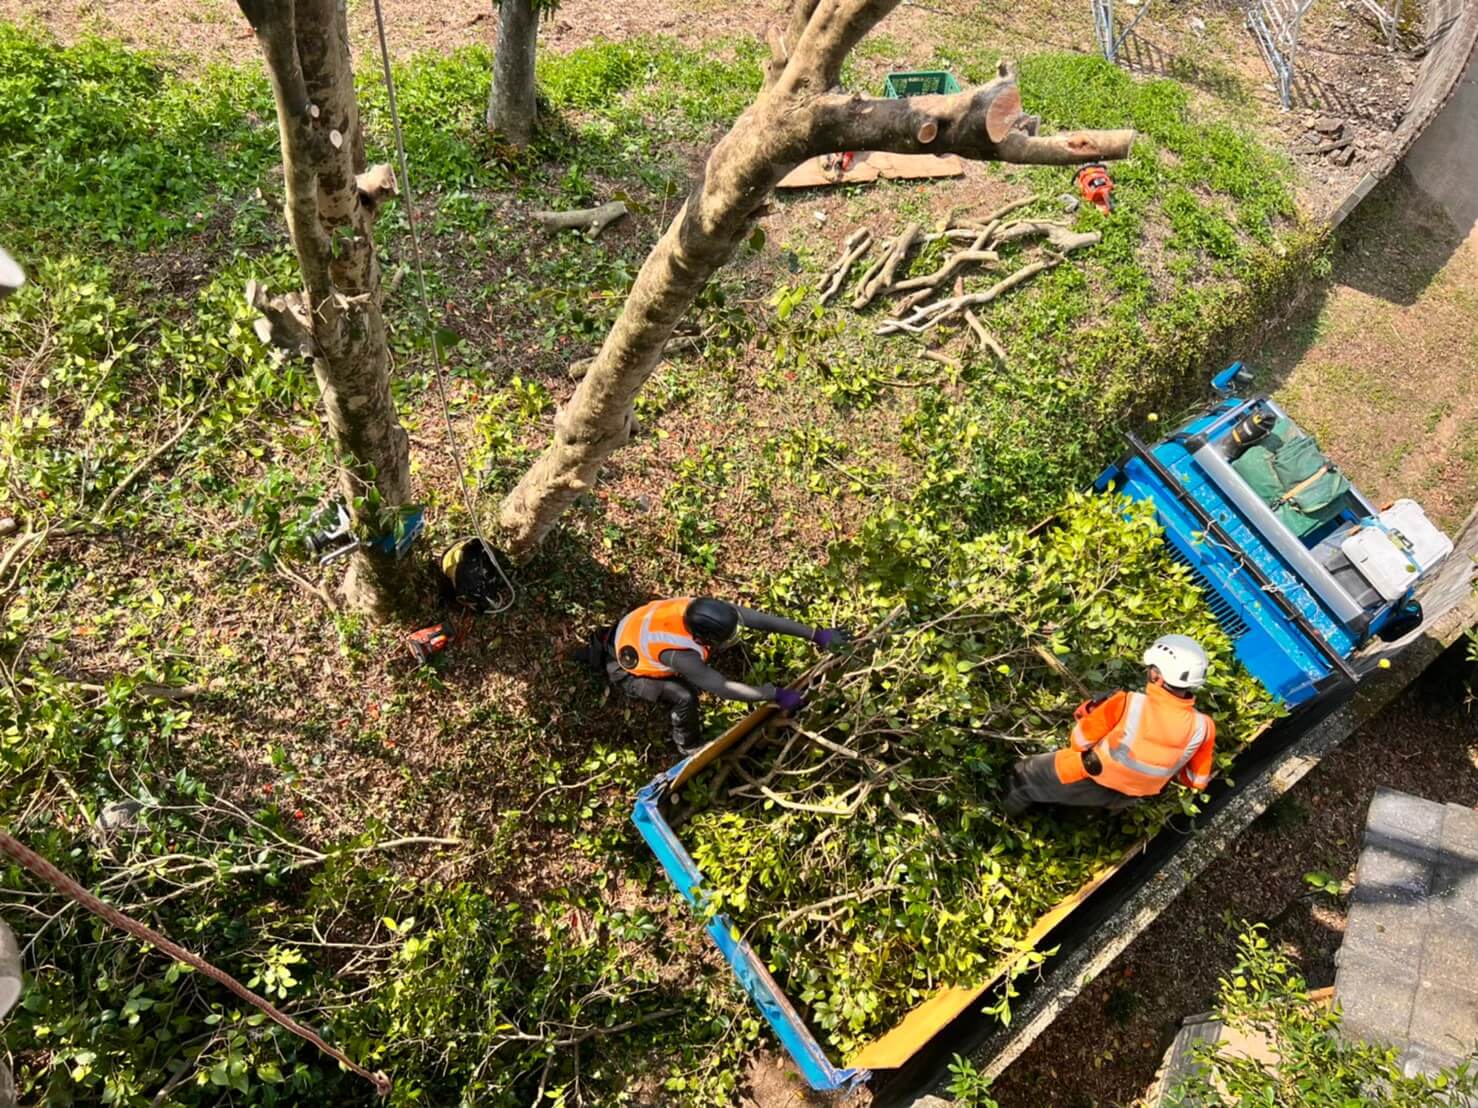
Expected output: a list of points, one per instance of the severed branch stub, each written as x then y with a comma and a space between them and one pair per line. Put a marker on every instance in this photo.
284, 320
374, 184
590, 220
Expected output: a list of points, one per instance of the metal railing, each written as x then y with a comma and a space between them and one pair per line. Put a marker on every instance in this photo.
1109, 42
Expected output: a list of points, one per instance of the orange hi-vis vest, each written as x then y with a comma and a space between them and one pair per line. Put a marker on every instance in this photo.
647, 631
1142, 740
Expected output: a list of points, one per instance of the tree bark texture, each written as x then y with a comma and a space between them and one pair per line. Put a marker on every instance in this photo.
796, 116
330, 217
512, 111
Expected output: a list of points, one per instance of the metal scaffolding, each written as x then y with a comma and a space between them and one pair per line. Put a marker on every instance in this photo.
1388, 18
1276, 24
1103, 26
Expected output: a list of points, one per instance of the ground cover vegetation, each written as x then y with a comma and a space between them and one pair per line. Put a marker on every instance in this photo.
1266, 995
436, 866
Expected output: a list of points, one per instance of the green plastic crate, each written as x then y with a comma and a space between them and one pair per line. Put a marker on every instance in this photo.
920, 82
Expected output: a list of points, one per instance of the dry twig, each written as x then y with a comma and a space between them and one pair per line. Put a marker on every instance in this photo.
858, 243
987, 340
148, 460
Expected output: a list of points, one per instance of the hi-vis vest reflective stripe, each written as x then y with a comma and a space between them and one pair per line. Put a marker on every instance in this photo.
649, 630
1150, 745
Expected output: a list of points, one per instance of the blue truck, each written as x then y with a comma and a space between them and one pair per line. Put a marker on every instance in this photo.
1300, 568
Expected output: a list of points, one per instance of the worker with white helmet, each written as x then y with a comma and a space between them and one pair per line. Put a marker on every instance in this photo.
12, 277
1128, 745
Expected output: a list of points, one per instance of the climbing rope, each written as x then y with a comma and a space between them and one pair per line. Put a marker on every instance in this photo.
25, 856
446, 411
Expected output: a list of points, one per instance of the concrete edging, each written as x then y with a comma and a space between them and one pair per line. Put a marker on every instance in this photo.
1452, 37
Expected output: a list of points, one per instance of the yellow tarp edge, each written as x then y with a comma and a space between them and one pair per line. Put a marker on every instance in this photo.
922, 1023
896, 1046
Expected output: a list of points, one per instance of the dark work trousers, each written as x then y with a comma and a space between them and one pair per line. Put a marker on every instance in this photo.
1035, 781
677, 694
680, 697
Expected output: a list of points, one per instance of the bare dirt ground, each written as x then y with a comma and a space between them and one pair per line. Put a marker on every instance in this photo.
1350, 85
198, 32
1105, 1049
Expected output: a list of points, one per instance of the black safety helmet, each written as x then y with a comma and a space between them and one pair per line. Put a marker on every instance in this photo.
712, 622
469, 579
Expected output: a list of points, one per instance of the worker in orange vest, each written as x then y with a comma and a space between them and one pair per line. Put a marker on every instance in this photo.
659, 653
1128, 745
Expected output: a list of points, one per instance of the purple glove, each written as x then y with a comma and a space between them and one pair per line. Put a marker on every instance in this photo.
827, 637
789, 700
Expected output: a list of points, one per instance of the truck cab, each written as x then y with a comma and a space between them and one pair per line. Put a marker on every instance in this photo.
1300, 568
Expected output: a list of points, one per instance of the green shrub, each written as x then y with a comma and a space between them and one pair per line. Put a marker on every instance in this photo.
443, 102
1311, 1063
101, 144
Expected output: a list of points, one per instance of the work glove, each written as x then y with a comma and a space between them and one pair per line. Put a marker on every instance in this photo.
789, 700
827, 637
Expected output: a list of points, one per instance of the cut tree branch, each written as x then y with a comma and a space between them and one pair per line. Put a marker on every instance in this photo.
887, 269
983, 123
858, 243
987, 340
952, 265
146, 462
590, 220
931, 314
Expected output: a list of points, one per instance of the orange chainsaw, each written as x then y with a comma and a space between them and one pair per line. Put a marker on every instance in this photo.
1096, 186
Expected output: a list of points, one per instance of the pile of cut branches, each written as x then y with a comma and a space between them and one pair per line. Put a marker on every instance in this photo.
929, 299
861, 846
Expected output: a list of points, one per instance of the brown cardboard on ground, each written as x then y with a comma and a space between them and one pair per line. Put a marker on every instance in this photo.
869, 166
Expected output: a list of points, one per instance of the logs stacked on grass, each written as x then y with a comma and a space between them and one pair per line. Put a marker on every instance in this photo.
924, 302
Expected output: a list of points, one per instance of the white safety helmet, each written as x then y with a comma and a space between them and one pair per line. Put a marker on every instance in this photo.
1181, 660
12, 276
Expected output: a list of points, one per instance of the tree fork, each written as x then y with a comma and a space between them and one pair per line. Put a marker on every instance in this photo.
795, 117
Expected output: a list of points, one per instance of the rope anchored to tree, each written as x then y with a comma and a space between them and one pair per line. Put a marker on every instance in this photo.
410, 215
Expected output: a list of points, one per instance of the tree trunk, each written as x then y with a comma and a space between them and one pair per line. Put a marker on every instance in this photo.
511, 108
794, 118
330, 217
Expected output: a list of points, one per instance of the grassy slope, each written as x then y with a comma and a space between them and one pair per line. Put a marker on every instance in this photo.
1380, 363
153, 202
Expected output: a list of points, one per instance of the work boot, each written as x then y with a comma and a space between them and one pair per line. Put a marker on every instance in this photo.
592, 652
